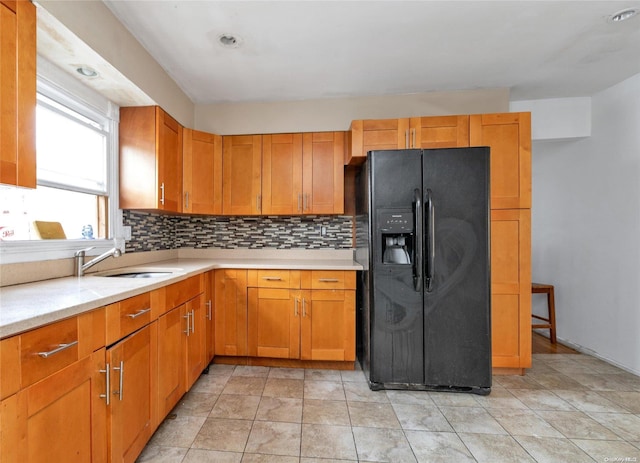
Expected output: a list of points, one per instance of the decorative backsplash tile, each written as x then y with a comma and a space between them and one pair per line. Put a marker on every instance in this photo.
154, 232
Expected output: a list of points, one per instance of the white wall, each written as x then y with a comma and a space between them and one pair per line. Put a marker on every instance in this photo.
337, 114
586, 228
93, 23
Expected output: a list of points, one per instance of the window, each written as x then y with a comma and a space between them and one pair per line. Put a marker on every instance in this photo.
75, 198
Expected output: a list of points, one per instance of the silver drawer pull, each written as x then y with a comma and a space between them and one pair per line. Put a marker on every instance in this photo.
60, 348
272, 278
328, 280
138, 313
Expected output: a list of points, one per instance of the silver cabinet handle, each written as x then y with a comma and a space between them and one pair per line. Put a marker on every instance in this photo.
304, 307
299, 202
209, 305
193, 321
60, 348
305, 202
120, 391
186, 200
138, 313
406, 139
259, 203
162, 193
413, 136
187, 316
267, 278
106, 395
328, 280
295, 306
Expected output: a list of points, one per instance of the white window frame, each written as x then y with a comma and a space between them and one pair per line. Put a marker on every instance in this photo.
68, 90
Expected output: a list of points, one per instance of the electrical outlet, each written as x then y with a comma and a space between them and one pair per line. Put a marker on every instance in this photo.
126, 231
323, 231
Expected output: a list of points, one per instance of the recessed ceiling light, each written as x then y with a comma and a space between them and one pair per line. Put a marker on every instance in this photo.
623, 15
229, 40
86, 71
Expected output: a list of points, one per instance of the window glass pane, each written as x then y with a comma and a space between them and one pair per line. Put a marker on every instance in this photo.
76, 212
70, 151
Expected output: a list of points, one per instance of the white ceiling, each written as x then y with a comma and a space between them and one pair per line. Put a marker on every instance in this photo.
293, 50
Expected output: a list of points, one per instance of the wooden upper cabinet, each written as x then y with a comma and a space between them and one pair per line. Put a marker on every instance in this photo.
282, 174
241, 174
509, 137
369, 135
202, 172
323, 173
150, 159
407, 133
18, 93
439, 132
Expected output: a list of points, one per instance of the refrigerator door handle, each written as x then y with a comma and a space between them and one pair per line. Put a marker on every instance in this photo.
417, 261
431, 242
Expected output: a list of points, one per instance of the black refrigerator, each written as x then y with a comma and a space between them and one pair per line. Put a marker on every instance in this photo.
422, 236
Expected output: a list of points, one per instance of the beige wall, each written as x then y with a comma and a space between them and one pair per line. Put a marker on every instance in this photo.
94, 24
337, 114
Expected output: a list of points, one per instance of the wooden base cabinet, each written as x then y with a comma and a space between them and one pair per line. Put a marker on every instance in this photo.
511, 288
132, 387
231, 312
60, 418
316, 322
328, 325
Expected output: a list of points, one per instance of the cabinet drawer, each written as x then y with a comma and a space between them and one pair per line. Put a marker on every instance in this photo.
285, 279
125, 317
45, 350
328, 279
181, 292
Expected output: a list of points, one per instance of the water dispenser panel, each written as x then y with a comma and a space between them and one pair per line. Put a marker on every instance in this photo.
395, 222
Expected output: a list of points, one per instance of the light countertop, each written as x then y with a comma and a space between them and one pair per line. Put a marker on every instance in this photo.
27, 306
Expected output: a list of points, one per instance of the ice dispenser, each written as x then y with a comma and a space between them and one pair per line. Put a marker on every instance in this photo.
396, 236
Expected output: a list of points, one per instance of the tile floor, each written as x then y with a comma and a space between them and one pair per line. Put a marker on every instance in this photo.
568, 408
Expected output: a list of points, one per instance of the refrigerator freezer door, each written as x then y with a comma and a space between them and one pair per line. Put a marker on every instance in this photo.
457, 341
395, 307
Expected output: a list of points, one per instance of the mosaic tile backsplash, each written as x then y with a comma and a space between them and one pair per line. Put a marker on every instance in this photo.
155, 232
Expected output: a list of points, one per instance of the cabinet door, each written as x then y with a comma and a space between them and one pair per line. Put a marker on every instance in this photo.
323, 173
328, 325
61, 418
195, 340
231, 312
509, 137
369, 135
18, 94
169, 134
131, 412
202, 172
511, 288
274, 323
209, 296
172, 328
439, 132
282, 174
241, 174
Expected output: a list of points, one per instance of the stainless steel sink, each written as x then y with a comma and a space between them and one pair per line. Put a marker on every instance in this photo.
139, 272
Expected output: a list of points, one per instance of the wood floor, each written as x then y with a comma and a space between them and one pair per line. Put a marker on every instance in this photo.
542, 345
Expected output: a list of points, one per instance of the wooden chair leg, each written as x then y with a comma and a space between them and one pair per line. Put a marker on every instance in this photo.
551, 302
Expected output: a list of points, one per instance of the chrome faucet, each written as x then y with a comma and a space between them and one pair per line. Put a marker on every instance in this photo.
81, 266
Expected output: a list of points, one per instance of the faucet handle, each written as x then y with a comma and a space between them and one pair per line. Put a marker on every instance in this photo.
81, 252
